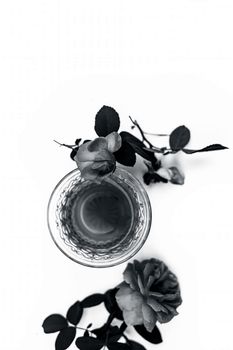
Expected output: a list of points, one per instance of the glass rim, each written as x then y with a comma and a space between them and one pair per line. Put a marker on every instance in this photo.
111, 262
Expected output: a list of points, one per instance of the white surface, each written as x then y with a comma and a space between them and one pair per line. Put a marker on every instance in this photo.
165, 63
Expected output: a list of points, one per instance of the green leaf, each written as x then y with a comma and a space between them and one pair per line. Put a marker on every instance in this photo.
65, 338
93, 300
114, 333
88, 343
75, 312
138, 146
150, 177
106, 121
54, 323
126, 154
179, 138
214, 147
77, 141
153, 337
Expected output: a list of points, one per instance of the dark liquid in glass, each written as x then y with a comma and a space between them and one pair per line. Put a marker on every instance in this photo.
102, 214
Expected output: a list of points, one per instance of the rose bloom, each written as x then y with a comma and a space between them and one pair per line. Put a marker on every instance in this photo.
150, 293
95, 158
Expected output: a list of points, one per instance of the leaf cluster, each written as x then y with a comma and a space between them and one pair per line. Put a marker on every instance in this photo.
107, 336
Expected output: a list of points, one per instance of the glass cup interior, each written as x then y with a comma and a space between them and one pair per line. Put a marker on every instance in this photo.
99, 223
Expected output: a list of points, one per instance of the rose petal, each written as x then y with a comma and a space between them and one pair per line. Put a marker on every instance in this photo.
83, 165
83, 154
139, 269
133, 317
176, 176
178, 302
113, 141
98, 144
124, 290
104, 155
170, 297
97, 165
128, 299
164, 318
141, 287
171, 309
88, 173
169, 284
130, 302
165, 173
130, 276
158, 296
149, 317
155, 305
150, 281
148, 270
163, 272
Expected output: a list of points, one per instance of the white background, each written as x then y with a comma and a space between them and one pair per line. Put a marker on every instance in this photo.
165, 63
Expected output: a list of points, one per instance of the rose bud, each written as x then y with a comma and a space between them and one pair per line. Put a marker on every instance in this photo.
95, 159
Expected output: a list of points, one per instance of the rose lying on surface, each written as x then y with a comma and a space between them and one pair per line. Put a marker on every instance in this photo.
150, 293
95, 158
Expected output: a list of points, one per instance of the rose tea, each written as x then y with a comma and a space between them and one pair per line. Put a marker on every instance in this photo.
99, 223
103, 213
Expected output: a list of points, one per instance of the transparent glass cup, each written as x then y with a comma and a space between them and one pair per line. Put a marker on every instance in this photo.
99, 223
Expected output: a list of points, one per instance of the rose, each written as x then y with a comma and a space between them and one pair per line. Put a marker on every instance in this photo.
95, 158
150, 293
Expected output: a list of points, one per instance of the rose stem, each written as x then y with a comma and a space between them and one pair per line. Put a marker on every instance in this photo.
63, 144
144, 138
152, 134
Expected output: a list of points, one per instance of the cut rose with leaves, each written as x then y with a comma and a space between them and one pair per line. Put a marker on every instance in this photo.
95, 158
150, 293
98, 158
